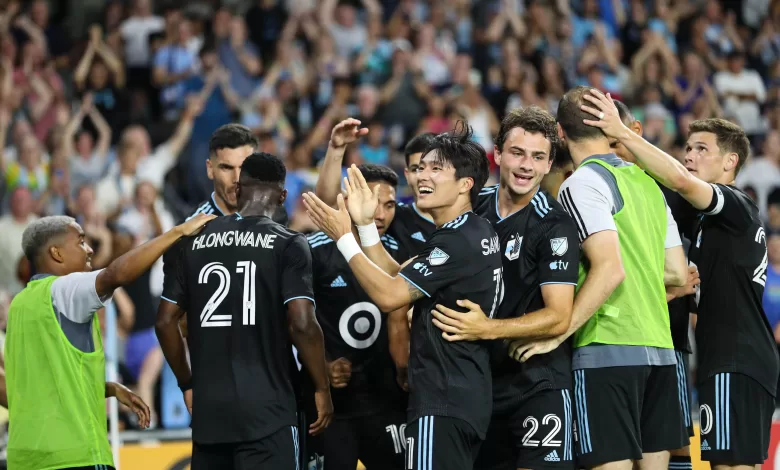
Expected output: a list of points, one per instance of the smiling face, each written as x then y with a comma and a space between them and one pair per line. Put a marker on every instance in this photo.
437, 186
524, 161
73, 251
224, 168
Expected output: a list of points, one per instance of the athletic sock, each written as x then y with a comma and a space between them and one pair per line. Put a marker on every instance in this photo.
680, 463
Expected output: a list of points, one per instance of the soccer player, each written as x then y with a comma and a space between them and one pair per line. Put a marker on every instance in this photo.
532, 418
625, 379
450, 387
246, 285
680, 299
411, 225
738, 361
369, 409
229, 145
55, 366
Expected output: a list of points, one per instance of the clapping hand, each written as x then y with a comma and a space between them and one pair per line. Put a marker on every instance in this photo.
362, 201
346, 132
334, 222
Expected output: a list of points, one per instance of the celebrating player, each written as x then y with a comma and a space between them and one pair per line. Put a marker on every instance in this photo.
632, 248
369, 412
240, 390
450, 386
540, 256
680, 300
411, 226
735, 344
54, 357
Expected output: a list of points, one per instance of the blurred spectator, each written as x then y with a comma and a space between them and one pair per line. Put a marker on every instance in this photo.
742, 91
87, 158
240, 57
12, 226
174, 63
763, 172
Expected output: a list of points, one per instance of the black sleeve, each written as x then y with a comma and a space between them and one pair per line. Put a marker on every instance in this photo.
558, 251
727, 208
442, 262
174, 282
297, 270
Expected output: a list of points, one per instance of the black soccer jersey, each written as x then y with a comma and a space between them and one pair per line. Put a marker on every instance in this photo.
460, 261
732, 332
411, 229
233, 279
354, 329
686, 217
539, 246
210, 206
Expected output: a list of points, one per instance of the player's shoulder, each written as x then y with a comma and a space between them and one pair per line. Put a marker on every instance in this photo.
206, 207
546, 208
466, 229
320, 241
486, 200
390, 242
746, 202
584, 176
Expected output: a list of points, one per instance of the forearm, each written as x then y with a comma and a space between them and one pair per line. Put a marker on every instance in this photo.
541, 324
329, 181
662, 166
389, 293
174, 349
398, 336
379, 256
595, 291
311, 347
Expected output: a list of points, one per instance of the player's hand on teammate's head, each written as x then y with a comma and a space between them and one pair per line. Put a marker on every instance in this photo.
135, 403
324, 412
346, 132
195, 224
606, 116
362, 201
471, 325
340, 371
334, 222
522, 350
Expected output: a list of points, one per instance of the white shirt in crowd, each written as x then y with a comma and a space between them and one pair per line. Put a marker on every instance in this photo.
135, 33
763, 175
11, 251
747, 113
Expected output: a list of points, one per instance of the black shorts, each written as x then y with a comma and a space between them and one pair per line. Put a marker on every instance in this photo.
440, 443
279, 451
377, 440
622, 412
735, 416
536, 434
684, 391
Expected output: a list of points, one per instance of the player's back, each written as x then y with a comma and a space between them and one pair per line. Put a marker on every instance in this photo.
461, 261
240, 352
732, 332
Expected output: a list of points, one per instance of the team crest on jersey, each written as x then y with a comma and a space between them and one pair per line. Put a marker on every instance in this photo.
512, 251
559, 246
437, 257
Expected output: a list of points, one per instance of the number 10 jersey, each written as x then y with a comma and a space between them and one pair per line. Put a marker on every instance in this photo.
233, 279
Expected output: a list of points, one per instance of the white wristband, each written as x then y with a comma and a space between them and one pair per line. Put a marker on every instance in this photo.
369, 235
348, 246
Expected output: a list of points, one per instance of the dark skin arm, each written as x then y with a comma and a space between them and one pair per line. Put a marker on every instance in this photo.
172, 341
137, 261
306, 335
398, 332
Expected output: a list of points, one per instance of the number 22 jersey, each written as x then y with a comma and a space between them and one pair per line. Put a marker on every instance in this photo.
233, 279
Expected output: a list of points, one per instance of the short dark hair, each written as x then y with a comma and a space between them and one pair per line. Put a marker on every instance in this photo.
570, 116
378, 173
532, 119
562, 157
469, 159
625, 114
231, 136
729, 137
418, 144
209, 46
261, 167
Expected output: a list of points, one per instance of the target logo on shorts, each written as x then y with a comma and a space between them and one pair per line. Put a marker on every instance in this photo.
359, 325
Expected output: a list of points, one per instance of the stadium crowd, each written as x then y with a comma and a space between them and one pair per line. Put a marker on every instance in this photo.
106, 108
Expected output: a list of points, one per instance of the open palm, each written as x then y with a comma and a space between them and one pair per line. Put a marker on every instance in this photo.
362, 201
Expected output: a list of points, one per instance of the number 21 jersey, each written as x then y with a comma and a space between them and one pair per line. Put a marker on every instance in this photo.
233, 279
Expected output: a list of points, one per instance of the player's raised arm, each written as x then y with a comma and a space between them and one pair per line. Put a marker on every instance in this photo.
659, 164
389, 293
329, 181
135, 262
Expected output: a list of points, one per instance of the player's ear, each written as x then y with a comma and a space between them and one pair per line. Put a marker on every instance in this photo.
209, 169
496, 154
56, 253
636, 126
282, 196
466, 184
561, 134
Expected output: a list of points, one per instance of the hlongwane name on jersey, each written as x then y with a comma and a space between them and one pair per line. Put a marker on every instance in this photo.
234, 238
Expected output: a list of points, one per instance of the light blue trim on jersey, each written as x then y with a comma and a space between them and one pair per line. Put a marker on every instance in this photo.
425, 443
318, 239
556, 282
582, 412
539, 201
295, 445
457, 221
419, 214
501, 219
169, 300
682, 386
567, 423
302, 297
216, 206
415, 285
723, 411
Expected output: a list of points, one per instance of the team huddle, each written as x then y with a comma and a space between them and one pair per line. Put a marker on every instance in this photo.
538, 323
